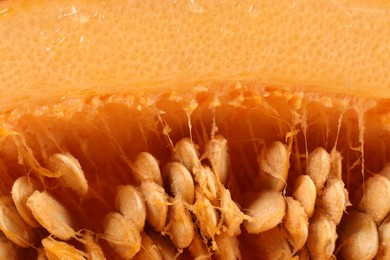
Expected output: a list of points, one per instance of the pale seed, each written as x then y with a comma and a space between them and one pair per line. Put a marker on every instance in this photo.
22, 188
56, 250
13, 226
216, 151
334, 199
167, 250
122, 234
322, 237
206, 181
51, 214
156, 204
180, 227
296, 224
186, 153
318, 167
92, 248
231, 213
376, 197
71, 174
181, 182
266, 212
198, 249
149, 250
358, 237
228, 247
274, 165
272, 244
145, 168
305, 192
384, 240
206, 215
130, 203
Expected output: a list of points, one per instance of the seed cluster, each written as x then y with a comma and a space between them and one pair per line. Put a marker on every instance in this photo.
186, 207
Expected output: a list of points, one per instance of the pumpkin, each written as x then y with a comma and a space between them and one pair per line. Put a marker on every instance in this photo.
194, 129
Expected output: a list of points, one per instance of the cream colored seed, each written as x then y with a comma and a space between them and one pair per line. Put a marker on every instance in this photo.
384, 240
216, 151
145, 168
358, 237
71, 174
198, 249
207, 216
180, 227
55, 250
228, 247
322, 237
266, 212
231, 213
92, 248
318, 167
334, 200
22, 188
130, 203
206, 181
376, 197
149, 250
273, 244
274, 164
305, 192
13, 226
122, 234
181, 182
167, 250
156, 204
51, 214
296, 224
186, 153
8, 250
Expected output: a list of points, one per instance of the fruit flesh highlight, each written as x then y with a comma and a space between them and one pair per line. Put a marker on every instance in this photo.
74, 48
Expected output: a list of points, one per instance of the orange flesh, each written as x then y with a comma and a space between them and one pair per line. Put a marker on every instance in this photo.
106, 80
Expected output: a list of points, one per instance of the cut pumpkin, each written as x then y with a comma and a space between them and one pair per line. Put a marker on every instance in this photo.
238, 129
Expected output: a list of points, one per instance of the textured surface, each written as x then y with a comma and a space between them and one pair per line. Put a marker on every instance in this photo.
70, 47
